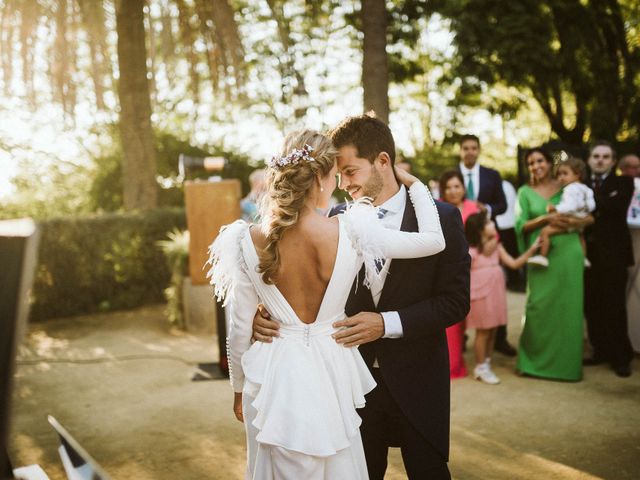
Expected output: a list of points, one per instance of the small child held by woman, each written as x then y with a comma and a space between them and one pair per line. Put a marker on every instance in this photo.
488, 289
577, 200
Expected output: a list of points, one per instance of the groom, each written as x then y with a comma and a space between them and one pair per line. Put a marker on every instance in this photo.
400, 322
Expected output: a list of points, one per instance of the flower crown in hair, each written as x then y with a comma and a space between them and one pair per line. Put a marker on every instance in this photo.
293, 158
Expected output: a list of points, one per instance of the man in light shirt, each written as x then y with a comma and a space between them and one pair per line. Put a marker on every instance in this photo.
482, 184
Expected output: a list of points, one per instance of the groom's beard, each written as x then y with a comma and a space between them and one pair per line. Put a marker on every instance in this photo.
371, 188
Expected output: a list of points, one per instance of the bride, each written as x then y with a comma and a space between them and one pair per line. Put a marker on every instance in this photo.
298, 395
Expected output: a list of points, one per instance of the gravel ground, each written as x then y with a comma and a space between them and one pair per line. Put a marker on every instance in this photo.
121, 384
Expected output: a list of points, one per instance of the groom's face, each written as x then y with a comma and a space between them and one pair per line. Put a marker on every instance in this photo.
358, 176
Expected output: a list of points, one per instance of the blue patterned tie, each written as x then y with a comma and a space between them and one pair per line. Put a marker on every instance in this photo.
381, 261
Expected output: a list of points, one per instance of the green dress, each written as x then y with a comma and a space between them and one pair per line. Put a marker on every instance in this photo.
551, 342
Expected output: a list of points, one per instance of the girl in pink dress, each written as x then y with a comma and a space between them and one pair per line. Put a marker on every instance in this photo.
452, 191
488, 289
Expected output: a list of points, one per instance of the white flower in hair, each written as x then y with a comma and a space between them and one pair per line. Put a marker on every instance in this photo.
293, 158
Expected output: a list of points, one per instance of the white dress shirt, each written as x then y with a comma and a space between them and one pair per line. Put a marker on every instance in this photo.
393, 219
507, 219
475, 176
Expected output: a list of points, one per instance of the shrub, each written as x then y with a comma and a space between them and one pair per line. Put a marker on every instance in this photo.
176, 251
103, 262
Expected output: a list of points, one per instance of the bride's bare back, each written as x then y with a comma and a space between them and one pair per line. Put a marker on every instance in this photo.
307, 257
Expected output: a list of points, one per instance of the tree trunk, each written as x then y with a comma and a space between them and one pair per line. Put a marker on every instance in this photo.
375, 70
297, 94
28, 25
139, 162
92, 12
188, 40
6, 41
223, 16
153, 89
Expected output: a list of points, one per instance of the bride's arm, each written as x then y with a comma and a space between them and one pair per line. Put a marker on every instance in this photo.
429, 239
373, 240
233, 285
242, 307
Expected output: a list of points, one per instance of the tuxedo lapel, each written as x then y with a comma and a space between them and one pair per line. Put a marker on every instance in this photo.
482, 184
394, 277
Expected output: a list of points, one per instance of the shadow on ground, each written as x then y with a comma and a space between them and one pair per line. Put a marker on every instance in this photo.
121, 383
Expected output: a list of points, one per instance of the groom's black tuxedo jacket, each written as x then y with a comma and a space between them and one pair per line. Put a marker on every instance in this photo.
430, 294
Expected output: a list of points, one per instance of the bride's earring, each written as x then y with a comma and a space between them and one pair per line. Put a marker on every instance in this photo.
321, 188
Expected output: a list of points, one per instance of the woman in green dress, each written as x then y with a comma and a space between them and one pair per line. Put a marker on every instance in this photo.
552, 337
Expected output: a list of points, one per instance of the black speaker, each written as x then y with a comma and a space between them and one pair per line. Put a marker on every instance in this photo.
18, 254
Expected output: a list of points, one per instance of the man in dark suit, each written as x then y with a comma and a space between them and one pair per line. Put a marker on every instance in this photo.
484, 185
610, 252
400, 322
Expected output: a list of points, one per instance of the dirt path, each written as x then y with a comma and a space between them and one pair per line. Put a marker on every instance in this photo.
121, 383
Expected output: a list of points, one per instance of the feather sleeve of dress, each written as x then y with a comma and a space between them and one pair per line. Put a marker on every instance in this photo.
373, 241
232, 286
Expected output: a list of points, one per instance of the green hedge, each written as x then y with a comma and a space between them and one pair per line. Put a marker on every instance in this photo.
103, 262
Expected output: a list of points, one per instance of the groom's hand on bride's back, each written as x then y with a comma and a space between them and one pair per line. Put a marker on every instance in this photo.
363, 327
264, 329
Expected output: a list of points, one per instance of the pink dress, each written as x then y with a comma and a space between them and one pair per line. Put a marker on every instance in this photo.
488, 291
469, 207
455, 333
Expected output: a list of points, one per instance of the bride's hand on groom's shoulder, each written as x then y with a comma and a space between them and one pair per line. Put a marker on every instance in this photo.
363, 327
264, 329
405, 177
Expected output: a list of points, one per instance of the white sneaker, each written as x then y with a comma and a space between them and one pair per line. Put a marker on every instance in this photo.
587, 263
539, 260
484, 373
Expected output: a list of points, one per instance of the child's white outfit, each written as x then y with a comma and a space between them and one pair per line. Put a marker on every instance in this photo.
577, 199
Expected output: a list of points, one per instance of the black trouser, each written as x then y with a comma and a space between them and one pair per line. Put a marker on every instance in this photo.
384, 425
606, 311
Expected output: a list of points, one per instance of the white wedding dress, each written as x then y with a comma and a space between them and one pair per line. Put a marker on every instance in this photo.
300, 392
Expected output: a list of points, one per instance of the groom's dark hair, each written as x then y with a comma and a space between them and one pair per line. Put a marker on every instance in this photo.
368, 134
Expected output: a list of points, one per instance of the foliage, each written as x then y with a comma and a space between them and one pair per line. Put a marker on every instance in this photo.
102, 262
106, 190
579, 59
176, 251
46, 188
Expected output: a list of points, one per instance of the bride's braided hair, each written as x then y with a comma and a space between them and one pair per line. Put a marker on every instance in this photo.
288, 187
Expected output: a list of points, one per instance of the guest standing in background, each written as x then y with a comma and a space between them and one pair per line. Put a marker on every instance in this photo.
451, 186
506, 228
482, 184
434, 187
610, 252
488, 289
552, 338
485, 186
250, 205
515, 277
404, 165
629, 165
452, 190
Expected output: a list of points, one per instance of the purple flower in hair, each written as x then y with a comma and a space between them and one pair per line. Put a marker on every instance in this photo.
293, 158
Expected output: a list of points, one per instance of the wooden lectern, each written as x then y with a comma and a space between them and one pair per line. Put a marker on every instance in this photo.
210, 205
